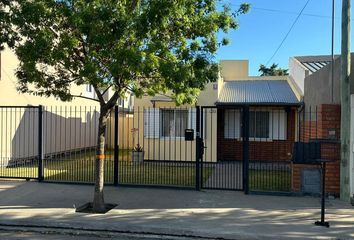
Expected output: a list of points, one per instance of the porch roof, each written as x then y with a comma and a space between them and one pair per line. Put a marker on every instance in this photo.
161, 98
257, 92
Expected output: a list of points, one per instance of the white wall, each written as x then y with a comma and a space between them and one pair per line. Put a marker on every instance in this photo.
63, 129
10, 96
298, 73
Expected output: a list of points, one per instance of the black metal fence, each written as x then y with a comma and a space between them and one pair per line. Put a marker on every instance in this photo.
245, 148
69, 144
254, 147
146, 147
19, 131
155, 151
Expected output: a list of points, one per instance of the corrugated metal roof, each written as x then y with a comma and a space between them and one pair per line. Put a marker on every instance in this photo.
271, 92
315, 66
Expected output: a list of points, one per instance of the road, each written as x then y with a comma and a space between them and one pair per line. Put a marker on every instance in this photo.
16, 233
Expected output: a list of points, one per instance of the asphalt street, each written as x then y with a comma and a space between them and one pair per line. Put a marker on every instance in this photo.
23, 233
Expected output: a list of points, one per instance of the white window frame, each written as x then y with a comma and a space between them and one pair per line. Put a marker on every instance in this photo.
232, 130
89, 88
174, 122
275, 115
153, 123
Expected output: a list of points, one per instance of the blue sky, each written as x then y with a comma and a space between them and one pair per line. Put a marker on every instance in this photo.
264, 27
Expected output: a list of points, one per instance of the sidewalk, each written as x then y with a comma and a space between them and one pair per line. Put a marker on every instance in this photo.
214, 214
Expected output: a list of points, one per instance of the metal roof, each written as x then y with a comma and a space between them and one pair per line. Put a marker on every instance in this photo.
257, 92
315, 63
315, 66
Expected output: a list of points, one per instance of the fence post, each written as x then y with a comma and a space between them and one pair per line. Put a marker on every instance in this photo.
199, 149
40, 144
116, 147
245, 144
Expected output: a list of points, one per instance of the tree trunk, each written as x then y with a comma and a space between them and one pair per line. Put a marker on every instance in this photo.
98, 200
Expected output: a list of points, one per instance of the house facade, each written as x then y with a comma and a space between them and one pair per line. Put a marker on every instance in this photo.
272, 119
321, 96
272, 102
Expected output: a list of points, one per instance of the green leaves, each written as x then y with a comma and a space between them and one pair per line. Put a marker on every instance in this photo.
147, 46
273, 70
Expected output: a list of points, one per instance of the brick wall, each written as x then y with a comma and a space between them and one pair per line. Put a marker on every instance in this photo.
319, 122
277, 150
332, 177
317, 125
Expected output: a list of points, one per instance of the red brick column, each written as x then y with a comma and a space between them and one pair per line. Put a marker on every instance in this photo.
322, 124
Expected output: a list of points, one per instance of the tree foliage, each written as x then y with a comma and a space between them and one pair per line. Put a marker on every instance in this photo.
146, 46
143, 46
273, 70
4, 23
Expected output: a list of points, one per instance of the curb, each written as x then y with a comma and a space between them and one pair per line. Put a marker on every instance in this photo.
71, 229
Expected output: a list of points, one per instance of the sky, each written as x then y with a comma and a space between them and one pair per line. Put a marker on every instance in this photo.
262, 30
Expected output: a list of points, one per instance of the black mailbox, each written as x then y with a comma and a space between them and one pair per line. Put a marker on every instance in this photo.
306, 153
189, 134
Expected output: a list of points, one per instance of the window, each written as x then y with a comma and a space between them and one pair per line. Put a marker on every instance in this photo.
88, 88
271, 124
232, 127
168, 123
173, 122
259, 124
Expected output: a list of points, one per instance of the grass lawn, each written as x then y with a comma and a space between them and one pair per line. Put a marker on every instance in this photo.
147, 173
80, 168
23, 172
264, 180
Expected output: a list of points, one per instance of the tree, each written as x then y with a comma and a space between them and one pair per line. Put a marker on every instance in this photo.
4, 23
273, 70
143, 46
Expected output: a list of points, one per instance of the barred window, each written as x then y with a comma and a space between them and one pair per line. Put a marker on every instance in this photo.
259, 124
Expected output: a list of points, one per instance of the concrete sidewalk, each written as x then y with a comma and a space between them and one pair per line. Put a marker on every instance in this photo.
214, 214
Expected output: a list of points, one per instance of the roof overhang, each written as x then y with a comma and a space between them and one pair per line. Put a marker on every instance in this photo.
258, 104
161, 98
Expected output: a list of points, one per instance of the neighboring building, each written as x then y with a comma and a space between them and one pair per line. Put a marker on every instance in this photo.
10, 96
301, 67
273, 103
321, 96
64, 123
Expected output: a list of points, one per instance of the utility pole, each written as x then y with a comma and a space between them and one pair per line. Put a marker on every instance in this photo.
345, 103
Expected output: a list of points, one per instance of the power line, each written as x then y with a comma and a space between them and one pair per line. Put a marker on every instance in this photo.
285, 12
289, 12
287, 34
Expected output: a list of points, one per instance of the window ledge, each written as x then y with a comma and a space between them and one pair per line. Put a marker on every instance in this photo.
171, 138
257, 139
